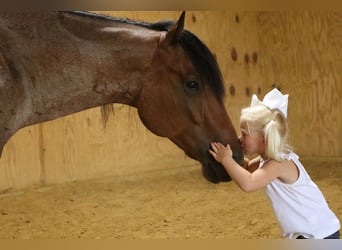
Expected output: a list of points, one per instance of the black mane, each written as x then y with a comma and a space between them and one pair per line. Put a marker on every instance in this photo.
199, 54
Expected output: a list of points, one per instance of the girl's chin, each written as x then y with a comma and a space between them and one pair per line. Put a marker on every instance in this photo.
245, 152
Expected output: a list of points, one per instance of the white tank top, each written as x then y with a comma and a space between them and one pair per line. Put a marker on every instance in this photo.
301, 207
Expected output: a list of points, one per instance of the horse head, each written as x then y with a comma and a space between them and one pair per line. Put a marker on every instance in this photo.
183, 99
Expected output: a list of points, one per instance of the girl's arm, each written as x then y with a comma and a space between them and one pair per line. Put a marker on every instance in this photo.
251, 165
247, 181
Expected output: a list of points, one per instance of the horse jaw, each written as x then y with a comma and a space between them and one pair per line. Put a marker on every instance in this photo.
212, 170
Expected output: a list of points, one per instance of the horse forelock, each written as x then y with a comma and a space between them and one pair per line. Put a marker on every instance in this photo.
199, 54
204, 62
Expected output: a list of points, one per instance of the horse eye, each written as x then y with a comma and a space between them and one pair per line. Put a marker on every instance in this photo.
192, 86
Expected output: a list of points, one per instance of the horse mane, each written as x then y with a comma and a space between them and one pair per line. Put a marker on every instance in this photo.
199, 54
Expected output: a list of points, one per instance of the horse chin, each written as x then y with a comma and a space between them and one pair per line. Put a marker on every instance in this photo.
214, 172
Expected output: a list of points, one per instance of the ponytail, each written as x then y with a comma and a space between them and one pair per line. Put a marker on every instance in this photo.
275, 132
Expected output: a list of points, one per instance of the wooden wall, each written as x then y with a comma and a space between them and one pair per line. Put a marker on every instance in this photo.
300, 52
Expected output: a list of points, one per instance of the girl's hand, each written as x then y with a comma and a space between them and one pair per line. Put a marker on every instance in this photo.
220, 152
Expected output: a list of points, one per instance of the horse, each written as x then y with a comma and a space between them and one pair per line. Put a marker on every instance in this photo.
55, 63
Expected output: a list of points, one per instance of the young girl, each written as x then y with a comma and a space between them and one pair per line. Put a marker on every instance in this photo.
297, 202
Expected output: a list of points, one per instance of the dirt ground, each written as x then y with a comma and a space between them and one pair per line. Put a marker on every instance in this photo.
168, 204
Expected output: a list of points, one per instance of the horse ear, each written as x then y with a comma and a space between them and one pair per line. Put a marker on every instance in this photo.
174, 33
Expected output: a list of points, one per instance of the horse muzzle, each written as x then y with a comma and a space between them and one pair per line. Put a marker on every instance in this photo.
214, 171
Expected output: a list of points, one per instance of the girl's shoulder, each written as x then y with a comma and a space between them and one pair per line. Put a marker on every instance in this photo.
289, 156
285, 159
287, 167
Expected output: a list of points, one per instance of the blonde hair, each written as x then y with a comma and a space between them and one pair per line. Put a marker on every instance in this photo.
272, 125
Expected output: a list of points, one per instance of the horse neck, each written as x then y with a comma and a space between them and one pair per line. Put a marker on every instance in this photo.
91, 65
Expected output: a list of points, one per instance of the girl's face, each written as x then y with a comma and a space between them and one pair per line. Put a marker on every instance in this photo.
252, 142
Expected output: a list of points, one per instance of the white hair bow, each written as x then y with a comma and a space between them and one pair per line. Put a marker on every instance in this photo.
273, 100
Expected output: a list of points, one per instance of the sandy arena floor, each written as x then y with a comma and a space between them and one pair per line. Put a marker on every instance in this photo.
169, 204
